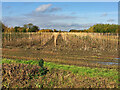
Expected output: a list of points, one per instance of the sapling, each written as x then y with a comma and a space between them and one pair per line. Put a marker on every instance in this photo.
41, 62
42, 70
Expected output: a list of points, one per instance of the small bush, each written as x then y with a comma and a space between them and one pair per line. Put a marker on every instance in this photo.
42, 70
41, 62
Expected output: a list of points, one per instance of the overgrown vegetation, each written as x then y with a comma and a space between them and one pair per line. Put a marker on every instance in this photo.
22, 73
92, 72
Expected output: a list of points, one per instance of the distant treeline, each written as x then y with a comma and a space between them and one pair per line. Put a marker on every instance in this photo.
104, 28
98, 28
101, 28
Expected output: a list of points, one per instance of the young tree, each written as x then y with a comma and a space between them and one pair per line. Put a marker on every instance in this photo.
16, 29
34, 29
30, 25
24, 30
25, 26
55, 30
4, 28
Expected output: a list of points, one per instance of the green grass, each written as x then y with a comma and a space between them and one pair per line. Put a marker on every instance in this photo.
92, 72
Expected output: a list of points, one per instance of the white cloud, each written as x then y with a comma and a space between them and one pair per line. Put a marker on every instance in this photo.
45, 23
43, 8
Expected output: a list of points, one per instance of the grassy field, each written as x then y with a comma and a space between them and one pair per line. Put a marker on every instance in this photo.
58, 75
72, 60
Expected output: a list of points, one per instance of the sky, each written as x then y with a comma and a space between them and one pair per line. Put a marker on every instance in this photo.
59, 15
60, 0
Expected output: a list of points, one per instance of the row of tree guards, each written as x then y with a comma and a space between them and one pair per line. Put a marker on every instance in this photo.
45, 36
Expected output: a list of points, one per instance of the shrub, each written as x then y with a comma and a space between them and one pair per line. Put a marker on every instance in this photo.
41, 62
42, 70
